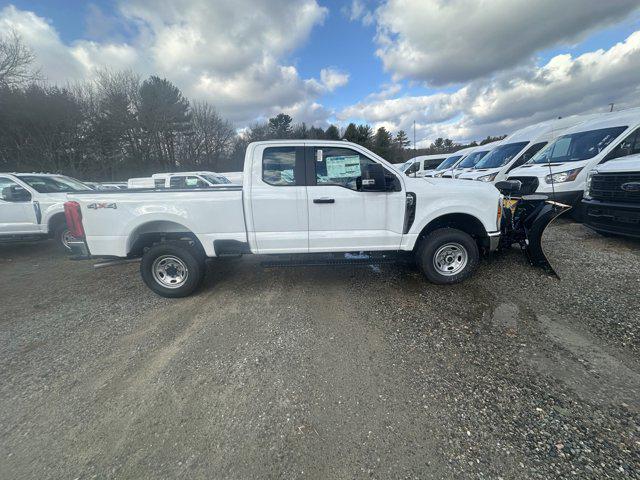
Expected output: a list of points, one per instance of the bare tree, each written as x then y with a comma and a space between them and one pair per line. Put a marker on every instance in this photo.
16, 60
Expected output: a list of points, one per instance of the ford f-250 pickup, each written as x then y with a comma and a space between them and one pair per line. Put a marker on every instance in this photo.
297, 197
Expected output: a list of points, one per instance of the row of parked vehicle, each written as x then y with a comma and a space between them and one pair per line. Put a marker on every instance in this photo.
590, 162
32, 204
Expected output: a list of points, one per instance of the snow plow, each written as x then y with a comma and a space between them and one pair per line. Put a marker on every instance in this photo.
524, 220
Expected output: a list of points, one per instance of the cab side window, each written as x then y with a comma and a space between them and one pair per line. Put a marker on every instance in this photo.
344, 167
279, 166
413, 168
10, 191
628, 146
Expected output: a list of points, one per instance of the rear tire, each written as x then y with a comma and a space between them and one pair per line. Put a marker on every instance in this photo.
447, 256
63, 236
173, 269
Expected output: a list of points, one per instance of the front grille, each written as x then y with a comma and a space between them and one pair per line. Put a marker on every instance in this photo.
529, 184
619, 220
607, 187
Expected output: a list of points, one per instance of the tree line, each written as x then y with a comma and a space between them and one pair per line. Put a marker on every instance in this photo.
118, 126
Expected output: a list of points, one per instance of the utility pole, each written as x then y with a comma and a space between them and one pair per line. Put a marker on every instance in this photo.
611, 105
414, 135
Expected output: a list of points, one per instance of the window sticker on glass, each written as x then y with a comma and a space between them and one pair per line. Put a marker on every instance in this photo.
191, 182
343, 166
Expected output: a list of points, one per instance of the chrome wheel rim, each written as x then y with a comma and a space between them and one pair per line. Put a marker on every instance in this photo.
450, 259
66, 239
170, 271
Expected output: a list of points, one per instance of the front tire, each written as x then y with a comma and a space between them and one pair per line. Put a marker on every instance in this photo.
172, 269
447, 256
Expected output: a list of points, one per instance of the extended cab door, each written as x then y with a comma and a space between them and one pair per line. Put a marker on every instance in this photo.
279, 216
18, 212
343, 217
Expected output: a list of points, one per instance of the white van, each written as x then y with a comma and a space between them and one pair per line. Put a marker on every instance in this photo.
445, 169
469, 162
421, 165
561, 169
518, 148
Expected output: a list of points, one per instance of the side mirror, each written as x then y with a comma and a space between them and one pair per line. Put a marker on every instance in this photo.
509, 187
15, 194
373, 178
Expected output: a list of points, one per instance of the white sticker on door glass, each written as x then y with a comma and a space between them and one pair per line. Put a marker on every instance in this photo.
343, 166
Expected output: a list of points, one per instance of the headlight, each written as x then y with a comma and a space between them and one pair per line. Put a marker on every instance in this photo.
487, 178
568, 176
587, 186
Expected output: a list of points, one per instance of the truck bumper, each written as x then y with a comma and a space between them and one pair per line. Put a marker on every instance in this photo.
615, 218
494, 241
79, 250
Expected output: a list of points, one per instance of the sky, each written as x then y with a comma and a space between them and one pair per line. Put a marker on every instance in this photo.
461, 69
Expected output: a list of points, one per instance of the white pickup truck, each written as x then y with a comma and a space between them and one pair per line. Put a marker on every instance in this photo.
32, 206
297, 197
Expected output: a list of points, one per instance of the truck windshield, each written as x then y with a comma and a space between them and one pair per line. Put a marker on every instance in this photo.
449, 162
53, 184
501, 155
472, 159
406, 165
215, 179
577, 146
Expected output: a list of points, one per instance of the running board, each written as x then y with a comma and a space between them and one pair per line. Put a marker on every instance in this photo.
355, 260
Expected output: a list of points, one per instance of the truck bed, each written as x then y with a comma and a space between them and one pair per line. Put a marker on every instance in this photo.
114, 220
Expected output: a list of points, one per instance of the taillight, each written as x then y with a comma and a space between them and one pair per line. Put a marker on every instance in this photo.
74, 218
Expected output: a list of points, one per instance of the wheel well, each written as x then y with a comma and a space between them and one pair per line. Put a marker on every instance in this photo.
153, 233
55, 221
461, 221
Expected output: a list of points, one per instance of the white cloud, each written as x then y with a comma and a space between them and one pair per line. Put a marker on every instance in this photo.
357, 11
565, 85
332, 78
60, 62
443, 42
229, 53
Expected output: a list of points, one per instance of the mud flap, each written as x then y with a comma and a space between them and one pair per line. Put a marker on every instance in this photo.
535, 225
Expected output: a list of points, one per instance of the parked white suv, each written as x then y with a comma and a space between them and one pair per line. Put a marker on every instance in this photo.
32, 206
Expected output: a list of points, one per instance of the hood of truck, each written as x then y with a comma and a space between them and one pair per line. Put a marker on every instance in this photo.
473, 174
629, 164
451, 185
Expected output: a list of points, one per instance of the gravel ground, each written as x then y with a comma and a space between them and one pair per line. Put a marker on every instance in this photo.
324, 372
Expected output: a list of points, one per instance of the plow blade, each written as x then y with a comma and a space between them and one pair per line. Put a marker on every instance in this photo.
535, 225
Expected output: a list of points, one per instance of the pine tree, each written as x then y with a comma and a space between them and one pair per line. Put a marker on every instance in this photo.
351, 133
332, 133
280, 126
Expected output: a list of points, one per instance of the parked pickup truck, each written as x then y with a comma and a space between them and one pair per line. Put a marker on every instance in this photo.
612, 197
297, 197
32, 206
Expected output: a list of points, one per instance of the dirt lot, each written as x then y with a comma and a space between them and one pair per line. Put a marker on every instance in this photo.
324, 372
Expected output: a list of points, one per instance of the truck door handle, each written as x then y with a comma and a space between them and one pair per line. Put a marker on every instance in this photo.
324, 200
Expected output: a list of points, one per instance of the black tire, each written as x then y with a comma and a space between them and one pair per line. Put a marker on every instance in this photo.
178, 257
462, 250
60, 234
